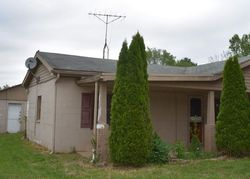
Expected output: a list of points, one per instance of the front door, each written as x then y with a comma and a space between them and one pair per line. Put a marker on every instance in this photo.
196, 117
13, 124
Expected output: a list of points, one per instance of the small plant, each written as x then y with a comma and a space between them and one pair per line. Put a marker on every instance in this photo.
94, 151
179, 149
159, 152
23, 123
195, 146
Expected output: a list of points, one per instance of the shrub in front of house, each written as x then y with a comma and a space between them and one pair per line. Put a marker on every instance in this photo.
130, 140
160, 151
233, 121
163, 152
180, 149
195, 146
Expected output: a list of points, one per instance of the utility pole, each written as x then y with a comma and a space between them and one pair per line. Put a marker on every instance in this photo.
106, 19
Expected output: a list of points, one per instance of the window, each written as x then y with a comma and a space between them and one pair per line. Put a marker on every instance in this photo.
195, 107
87, 111
38, 110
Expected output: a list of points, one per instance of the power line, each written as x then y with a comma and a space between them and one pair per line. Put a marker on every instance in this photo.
106, 19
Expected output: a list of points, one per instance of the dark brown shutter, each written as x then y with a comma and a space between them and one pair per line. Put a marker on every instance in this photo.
109, 98
87, 115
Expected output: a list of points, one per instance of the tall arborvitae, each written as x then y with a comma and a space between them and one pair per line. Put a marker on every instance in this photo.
232, 126
118, 105
131, 131
146, 93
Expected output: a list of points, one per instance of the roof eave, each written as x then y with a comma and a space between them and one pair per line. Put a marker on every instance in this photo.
25, 80
74, 72
168, 77
14, 86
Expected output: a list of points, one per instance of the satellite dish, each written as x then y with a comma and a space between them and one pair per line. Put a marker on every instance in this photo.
31, 63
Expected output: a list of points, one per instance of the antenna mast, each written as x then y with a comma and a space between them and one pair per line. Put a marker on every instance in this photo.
106, 19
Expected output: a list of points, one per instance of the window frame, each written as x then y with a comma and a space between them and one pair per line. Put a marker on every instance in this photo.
38, 108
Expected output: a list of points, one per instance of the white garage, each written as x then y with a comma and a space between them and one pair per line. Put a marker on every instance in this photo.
12, 109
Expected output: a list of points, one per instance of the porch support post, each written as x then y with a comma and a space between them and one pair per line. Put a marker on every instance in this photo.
95, 108
209, 134
102, 127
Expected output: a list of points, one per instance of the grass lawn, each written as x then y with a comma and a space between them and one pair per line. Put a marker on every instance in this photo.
21, 159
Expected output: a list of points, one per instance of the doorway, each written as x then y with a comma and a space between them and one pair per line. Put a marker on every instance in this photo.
196, 117
13, 124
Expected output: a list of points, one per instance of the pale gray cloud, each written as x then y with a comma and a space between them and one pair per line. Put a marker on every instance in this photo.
196, 29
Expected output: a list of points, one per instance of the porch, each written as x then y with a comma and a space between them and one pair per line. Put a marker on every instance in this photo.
175, 111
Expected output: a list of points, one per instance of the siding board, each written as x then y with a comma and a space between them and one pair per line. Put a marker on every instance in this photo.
43, 73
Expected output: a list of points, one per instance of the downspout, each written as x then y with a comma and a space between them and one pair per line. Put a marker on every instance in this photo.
6, 111
54, 122
27, 113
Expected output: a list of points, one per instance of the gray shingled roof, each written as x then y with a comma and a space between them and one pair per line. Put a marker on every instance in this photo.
79, 63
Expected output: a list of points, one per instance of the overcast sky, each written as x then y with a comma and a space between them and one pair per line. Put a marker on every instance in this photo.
196, 29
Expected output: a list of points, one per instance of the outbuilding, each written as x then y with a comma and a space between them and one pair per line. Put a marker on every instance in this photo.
12, 109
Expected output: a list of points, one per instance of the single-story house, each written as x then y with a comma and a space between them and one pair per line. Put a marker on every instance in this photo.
71, 102
12, 109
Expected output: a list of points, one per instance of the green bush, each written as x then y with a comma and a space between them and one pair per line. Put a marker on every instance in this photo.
233, 121
130, 141
179, 149
195, 146
159, 152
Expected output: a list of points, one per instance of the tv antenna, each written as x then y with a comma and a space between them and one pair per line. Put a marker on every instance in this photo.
106, 19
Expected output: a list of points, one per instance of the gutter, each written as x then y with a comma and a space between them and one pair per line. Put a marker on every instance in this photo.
169, 77
54, 122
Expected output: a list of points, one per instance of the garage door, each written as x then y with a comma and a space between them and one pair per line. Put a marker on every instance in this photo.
14, 111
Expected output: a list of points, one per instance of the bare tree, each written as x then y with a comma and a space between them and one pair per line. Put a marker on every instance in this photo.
220, 57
